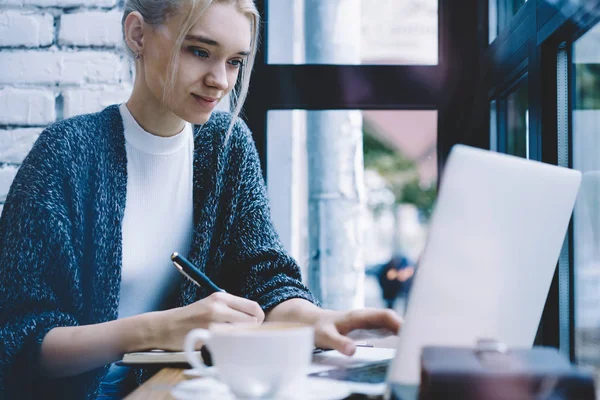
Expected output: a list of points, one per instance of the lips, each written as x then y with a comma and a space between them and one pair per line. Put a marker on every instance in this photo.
209, 99
205, 101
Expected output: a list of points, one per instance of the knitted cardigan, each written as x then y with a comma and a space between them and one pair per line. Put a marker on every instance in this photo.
61, 239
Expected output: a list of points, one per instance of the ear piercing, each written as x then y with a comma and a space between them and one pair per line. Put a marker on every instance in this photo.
137, 56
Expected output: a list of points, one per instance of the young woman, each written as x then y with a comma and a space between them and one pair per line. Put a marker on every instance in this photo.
102, 200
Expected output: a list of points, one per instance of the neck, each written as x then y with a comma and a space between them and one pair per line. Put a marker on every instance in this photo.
153, 116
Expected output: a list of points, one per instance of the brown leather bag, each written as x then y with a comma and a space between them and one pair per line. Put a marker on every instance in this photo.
493, 372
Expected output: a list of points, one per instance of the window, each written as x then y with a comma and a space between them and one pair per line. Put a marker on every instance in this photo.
394, 192
509, 122
585, 148
512, 6
517, 122
493, 126
492, 20
400, 32
500, 12
334, 63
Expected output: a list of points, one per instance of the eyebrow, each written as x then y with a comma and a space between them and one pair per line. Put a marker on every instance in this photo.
211, 42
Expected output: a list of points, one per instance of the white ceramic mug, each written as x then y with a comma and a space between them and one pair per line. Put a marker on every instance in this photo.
255, 360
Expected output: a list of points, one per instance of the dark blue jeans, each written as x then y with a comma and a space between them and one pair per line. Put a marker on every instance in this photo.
115, 385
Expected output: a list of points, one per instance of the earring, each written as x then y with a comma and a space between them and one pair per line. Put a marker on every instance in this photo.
137, 56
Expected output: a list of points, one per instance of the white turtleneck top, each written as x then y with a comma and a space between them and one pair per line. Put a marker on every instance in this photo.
158, 216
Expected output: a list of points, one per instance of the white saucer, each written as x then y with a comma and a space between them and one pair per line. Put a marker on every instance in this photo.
198, 373
213, 389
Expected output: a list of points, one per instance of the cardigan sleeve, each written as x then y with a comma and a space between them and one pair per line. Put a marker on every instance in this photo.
264, 271
36, 274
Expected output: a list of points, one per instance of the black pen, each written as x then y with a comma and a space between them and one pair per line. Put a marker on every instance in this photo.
192, 273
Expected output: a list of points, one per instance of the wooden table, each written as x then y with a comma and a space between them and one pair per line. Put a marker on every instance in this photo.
159, 386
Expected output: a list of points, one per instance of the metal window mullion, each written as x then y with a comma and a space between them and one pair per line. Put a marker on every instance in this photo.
502, 15
502, 124
565, 276
494, 125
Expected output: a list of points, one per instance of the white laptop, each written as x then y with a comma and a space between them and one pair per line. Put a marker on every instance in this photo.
493, 245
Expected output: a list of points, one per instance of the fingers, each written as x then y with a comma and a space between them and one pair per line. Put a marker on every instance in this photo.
244, 306
229, 315
369, 319
327, 336
332, 335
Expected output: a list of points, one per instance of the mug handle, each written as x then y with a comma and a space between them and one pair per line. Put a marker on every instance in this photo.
189, 346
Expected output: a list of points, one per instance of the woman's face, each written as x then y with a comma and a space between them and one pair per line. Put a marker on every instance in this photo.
211, 58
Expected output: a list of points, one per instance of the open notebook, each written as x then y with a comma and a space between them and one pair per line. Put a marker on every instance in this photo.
178, 357
361, 336
156, 357
171, 357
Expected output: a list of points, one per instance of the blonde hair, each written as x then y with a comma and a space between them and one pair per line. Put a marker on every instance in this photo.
156, 12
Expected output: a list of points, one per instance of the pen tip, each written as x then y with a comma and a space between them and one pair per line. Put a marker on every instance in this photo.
174, 255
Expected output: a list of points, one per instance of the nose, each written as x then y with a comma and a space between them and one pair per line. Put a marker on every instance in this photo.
217, 77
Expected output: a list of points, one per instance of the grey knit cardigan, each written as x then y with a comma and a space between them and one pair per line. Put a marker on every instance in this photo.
61, 247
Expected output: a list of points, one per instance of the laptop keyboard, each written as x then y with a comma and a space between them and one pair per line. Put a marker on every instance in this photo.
370, 373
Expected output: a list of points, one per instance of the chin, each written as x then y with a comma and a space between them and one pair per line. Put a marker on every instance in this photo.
201, 119
196, 118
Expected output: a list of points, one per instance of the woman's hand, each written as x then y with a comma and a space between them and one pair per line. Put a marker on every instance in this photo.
331, 331
171, 326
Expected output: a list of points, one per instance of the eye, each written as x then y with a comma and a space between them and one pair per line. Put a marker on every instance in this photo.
237, 63
199, 52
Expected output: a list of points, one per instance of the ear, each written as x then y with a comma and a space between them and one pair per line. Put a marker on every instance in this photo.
134, 32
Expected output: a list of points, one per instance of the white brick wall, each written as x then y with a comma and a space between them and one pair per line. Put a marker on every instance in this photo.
58, 58
16, 143
7, 174
59, 67
26, 106
83, 101
61, 3
91, 28
26, 28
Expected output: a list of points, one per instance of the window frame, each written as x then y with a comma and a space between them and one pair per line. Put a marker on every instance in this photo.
419, 86
531, 41
571, 33
502, 113
485, 71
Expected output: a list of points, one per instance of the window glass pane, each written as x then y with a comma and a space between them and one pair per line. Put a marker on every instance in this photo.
493, 20
515, 6
586, 147
517, 122
399, 32
385, 162
500, 13
493, 126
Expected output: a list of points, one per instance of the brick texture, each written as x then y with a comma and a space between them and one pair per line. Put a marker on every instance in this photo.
58, 59
61, 3
83, 101
26, 29
26, 106
16, 143
60, 67
91, 28
7, 175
